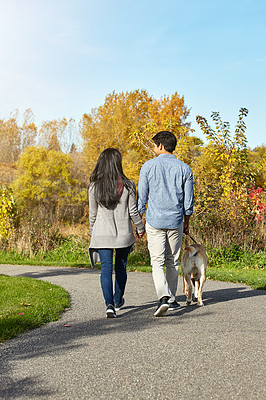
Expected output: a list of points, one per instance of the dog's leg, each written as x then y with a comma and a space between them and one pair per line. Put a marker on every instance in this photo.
184, 285
196, 294
189, 289
201, 283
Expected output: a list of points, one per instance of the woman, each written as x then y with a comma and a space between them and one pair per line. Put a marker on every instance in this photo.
112, 206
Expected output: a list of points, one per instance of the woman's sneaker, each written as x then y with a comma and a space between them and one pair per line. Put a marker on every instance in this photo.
110, 311
163, 306
120, 305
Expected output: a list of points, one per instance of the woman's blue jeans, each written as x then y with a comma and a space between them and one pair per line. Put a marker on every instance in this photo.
106, 258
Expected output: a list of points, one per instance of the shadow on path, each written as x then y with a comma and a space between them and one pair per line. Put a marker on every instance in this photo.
59, 271
55, 339
228, 294
23, 388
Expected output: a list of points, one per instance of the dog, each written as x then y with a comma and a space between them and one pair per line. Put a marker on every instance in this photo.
193, 265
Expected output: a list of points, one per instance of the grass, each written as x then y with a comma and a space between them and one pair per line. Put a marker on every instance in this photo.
27, 303
234, 265
254, 278
71, 253
226, 264
14, 258
227, 273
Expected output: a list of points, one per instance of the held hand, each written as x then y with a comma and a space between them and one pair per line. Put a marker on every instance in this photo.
186, 224
186, 229
140, 235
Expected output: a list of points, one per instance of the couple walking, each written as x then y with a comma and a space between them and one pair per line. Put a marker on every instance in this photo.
166, 183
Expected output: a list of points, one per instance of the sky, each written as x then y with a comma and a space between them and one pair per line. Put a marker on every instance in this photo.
61, 58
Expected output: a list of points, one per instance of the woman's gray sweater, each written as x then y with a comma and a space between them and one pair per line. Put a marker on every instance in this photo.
112, 228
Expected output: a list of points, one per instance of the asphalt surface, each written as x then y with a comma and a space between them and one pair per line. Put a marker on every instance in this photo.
213, 352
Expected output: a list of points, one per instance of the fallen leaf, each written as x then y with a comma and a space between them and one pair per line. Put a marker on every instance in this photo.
25, 304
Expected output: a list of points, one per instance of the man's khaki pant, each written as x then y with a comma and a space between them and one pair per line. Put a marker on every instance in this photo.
164, 246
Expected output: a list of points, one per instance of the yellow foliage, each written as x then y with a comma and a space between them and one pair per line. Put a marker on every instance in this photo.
257, 158
51, 132
45, 176
225, 168
15, 137
128, 121
8, 212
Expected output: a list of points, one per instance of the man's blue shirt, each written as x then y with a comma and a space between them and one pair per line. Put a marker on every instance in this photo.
167, 184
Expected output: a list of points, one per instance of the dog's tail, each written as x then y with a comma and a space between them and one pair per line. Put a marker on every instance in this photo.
192, 251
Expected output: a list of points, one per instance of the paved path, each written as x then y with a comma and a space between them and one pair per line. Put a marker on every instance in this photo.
213, 352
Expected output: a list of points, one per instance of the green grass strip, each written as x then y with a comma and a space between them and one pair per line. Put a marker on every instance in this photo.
27, 303
254, 278
224, 265
46, 259
251, 277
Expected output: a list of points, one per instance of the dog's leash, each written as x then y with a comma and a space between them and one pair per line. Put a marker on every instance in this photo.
191, 238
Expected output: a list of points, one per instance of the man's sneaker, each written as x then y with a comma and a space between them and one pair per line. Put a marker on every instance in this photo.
162, 307
174, 306
120, 305
110, 312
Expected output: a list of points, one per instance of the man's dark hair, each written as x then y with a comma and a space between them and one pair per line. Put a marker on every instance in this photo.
167, 139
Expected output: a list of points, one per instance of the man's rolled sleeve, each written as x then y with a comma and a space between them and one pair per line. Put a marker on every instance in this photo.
188, 194
143, 189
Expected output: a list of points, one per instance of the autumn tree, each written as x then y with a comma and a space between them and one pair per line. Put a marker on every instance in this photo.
60, 135
127, 121
15, 136
7, 174
51, 132
167, 113
223, 177
28, 130
257, 158
8, 212
45, 178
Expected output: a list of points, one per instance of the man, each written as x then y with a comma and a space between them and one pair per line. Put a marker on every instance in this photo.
167, 184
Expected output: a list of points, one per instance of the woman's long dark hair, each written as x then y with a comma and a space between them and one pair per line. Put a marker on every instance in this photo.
106, 176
